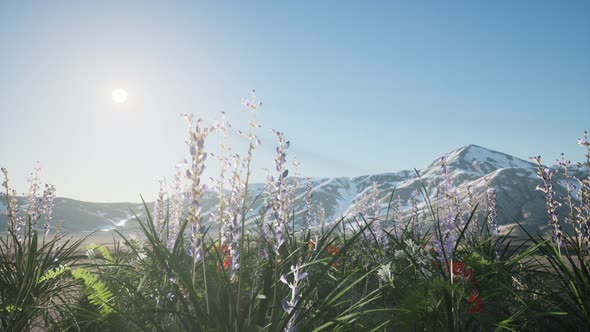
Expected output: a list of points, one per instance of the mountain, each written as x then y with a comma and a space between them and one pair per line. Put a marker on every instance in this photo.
472, 166
84, 217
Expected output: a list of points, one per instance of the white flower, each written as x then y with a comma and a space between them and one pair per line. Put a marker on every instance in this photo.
385, 274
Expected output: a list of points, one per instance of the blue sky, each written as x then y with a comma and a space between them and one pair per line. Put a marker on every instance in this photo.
358, 88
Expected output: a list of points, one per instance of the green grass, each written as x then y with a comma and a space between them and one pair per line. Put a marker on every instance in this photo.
346, 277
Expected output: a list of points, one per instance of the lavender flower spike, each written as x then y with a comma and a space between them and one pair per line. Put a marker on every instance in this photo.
196, 143
279, 193
445, 235
289, 306
32, 207
307, 199
552, 204
232, 230
176, 208
585, 143
492, 212
47, 202
11, 204
415, 213
159, 216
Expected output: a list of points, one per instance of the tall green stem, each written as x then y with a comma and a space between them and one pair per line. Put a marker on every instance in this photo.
244, 212
275, 290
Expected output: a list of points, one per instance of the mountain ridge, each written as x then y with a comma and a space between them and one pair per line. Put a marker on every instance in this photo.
471, 167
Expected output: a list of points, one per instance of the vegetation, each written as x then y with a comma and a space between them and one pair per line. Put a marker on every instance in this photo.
443, 270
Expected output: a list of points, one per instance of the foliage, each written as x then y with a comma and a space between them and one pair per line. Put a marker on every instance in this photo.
366, 271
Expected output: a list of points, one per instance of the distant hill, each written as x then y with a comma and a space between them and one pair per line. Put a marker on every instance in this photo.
514, 179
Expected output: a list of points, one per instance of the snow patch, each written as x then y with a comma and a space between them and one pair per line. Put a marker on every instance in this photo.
100, 213
347, 197
500, 160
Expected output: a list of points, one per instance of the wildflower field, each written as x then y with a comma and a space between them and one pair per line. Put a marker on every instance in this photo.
443, 269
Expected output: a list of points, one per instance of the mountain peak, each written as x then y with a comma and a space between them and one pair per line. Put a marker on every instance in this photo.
473, 150
483, 159
477, 160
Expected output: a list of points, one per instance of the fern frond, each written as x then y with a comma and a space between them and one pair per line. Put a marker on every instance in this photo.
104, 251
54, 273
97, 291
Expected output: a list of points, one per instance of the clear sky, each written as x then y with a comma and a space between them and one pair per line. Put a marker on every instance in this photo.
358, 88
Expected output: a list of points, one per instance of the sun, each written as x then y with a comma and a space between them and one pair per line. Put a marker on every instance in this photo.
119, 96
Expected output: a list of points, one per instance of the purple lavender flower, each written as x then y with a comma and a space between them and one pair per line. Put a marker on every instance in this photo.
47, 202
12, 208
376, 210
196, 143
159, 216
585, 143
232, 231
397, 217
584, 194
571, 218
235, 230
445, 236
251, 103
240, 189
415, 213
219, 216
367, 202
308, 216
320, 218
279, 193
176, 209
492, 211
583, 209
32, 208
265, 233
289, 305
545, 174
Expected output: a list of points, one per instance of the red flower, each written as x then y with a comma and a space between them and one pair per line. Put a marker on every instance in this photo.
226, 262
225, 248
310, 247
460, 270
226, 257
476, 304
333, 250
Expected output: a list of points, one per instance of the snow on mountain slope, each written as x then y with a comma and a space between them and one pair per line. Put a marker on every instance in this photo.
474, 153
470, 166
513, 179
475, 161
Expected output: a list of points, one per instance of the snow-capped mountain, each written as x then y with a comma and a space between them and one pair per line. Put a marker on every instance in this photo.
472, 166
85, 217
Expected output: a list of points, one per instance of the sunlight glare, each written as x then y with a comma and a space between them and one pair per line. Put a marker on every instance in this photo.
119, 96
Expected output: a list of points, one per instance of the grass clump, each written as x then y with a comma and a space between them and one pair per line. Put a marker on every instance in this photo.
445, 268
